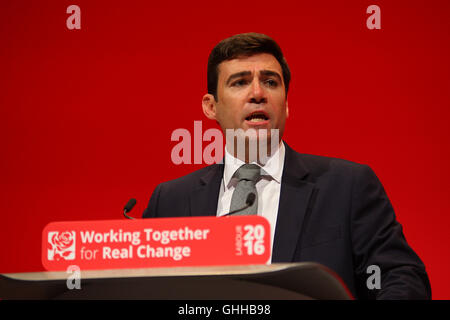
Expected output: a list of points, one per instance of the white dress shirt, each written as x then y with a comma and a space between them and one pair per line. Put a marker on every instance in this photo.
268, 188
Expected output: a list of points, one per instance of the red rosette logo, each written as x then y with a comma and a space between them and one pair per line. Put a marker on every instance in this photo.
61, 245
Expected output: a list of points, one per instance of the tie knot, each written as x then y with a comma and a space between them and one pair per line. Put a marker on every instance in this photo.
250, 172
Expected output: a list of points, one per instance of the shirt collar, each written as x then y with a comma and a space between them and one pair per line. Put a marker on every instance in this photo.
272, 168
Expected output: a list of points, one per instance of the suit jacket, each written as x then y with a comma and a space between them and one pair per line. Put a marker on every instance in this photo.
331, 211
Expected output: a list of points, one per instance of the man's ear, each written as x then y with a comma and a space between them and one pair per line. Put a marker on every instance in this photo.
287, 109
209, 106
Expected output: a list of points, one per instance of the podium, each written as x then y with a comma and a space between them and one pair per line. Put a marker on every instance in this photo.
278, 281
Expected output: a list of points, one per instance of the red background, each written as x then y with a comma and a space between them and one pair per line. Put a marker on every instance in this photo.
86, 115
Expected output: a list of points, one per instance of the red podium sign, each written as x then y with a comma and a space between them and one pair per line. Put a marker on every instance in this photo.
160, 242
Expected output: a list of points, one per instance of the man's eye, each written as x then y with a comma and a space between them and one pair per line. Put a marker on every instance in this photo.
271, 82
239, 83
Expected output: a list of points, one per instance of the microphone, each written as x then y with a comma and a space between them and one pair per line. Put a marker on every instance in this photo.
248, 203
130, 204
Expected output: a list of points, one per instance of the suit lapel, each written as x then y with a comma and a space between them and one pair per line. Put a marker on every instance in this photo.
294, 199
205, 196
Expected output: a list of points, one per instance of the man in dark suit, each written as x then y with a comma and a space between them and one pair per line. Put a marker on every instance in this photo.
320, 209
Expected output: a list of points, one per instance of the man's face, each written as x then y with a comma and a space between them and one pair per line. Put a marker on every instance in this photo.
251, 94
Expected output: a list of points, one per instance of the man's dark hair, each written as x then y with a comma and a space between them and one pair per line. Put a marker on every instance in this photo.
244, 44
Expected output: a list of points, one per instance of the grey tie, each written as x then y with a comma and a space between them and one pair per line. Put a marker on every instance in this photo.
247, 175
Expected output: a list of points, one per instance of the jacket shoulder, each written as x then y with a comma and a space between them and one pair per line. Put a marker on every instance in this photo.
315, 161
192, 179
319, 166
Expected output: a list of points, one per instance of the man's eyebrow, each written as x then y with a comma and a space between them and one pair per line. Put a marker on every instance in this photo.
237, 75
267, 73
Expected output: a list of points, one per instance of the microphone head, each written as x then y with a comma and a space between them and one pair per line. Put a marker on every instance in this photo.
250, 199
130, 204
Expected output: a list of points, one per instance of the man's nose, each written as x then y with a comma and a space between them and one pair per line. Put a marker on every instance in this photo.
257, 93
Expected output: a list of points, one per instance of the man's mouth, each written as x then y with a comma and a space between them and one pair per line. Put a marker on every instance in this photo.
257, 116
